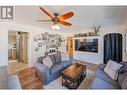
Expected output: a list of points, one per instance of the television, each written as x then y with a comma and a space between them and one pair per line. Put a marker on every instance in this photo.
86, 45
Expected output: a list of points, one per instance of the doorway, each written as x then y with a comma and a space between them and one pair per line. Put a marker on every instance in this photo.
17, 51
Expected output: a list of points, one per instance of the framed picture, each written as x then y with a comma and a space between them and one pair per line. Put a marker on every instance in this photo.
59, 44
39, 44
35, 39
36, 49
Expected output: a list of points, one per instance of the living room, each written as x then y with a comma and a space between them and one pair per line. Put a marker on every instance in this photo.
89, 24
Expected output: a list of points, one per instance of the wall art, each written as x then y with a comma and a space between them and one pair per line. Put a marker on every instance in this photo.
50, 41
40, 44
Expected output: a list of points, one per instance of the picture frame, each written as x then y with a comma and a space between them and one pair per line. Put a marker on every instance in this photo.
36, 49
39, 44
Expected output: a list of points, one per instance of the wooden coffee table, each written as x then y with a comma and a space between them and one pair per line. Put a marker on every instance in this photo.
73, 75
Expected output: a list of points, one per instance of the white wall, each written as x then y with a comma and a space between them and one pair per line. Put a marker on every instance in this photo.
4, 27
83, 56
41, 51
97, 58
3, 45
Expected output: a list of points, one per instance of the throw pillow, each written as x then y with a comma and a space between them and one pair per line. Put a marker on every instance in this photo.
112, 68
64, 57
47, 61
57, 58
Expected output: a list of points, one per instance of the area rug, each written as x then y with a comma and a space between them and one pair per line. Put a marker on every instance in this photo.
57, 84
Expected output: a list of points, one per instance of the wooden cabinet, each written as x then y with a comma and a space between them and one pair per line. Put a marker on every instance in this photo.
70, 46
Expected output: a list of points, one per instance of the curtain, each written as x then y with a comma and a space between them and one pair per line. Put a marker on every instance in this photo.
113, 47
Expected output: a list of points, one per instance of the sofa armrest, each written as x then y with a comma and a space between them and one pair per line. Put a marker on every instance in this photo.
40, 59
123, 62
102, 66
42, 68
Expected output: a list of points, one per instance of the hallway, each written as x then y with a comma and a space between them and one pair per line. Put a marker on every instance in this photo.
17, 51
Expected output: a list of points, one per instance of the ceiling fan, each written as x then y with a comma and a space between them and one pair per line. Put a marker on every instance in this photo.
56, 19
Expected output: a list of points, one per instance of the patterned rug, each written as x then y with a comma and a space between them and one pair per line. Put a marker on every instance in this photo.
57, 84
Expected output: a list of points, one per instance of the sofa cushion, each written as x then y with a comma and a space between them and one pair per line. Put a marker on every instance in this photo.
66, 63
102, 75
112, 69
101, 84
57, 58
52, 58
40, 59
124, 83
121, 78
56, 68
64, 57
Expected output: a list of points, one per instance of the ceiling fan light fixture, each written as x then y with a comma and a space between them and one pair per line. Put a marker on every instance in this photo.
56, 19
55, 26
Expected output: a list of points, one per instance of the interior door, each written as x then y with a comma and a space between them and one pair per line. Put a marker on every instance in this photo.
23, 47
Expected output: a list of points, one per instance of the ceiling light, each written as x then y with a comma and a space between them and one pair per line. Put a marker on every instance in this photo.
55, 26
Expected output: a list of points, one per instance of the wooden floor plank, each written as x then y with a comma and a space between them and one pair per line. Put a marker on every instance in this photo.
28, 79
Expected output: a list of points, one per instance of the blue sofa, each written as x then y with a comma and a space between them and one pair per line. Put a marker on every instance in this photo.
47, 74
103, 81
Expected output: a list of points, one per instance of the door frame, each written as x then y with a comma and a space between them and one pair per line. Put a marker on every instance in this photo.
28, 44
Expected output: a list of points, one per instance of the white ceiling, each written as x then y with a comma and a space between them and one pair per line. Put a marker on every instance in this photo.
84, 16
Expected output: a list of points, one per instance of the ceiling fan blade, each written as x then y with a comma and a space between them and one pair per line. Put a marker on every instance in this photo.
66, 16
44, 20
46, 12
65, 23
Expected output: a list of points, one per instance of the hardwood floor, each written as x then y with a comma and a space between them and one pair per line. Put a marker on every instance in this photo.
14, 67
28, 80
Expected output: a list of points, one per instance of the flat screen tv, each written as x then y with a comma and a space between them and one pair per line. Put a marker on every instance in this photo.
86, 45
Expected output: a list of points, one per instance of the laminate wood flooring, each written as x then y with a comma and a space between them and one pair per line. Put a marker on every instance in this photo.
28, 80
